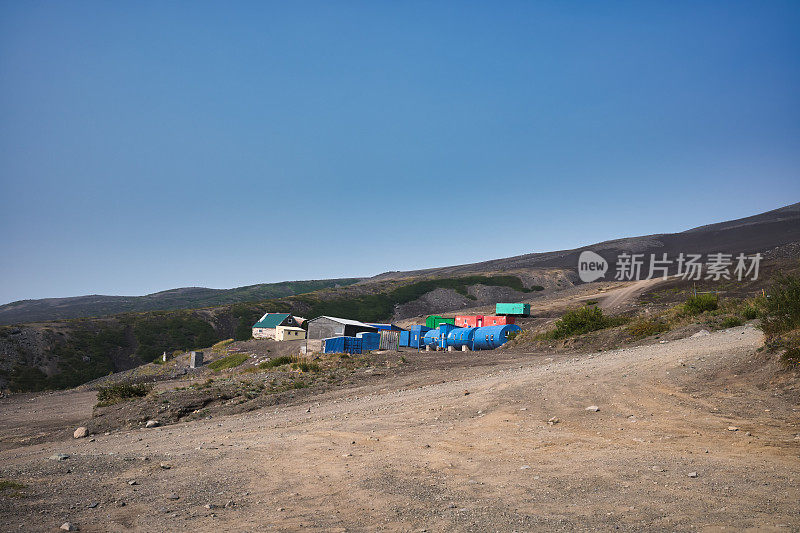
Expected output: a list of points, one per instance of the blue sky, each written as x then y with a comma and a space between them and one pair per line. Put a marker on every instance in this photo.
152, 145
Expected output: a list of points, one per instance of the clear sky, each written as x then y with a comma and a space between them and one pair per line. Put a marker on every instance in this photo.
151, 145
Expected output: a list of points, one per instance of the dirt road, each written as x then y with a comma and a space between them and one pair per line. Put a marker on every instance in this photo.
616, 299
465, 450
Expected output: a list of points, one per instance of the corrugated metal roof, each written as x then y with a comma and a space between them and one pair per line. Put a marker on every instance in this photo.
271, 320
347, 322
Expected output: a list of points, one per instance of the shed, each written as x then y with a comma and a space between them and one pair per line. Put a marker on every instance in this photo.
324, 327
289, 333
265, 327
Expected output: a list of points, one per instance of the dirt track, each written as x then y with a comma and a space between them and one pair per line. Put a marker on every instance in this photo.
417, 452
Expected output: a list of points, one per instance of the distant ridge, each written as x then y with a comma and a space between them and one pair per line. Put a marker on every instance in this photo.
757, 233
183, 298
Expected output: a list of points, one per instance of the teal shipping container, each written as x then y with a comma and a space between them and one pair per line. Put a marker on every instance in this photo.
513, 309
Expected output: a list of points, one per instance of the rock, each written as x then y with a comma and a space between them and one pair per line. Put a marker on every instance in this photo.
133, 482
229, 504
553, 421
69, 526
733, 428
60, 457
692, 474
80, 433
211, 506
152, 424
173, 496
466, 393
593, 408
701, 333
93, 505
166, 466
524, 467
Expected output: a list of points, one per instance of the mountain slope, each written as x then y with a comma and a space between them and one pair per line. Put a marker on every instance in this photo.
185, 298
758, 233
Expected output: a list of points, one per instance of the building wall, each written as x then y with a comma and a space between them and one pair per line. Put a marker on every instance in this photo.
263, 333
282, 333
324, 328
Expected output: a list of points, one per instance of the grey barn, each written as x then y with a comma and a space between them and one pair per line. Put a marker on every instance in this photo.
324, 327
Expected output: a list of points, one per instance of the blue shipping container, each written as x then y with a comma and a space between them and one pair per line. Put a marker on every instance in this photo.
351, 345
369, 341
404, 338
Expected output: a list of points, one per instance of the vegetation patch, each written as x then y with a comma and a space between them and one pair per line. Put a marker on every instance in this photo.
230, 361
278, 361
731, 322
119, 392
646, 327
700, 303
11, 489
583, 320
220, 346
780, 319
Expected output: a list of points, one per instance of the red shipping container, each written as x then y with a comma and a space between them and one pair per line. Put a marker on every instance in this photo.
475, 321
479, 321
497, 320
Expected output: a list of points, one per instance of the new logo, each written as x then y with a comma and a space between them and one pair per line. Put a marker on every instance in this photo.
591, 266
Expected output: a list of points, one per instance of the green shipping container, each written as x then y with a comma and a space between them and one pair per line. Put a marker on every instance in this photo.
513, 309
433, 321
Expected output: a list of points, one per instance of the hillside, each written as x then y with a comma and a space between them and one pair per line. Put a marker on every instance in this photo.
185, 298
758, 233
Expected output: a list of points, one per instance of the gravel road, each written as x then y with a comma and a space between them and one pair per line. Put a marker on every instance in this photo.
694, 434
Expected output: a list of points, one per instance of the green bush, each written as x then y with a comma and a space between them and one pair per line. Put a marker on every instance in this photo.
306, 366
782, 306
701, 303
230, 361
583, 320
731, 322
647, 327
118, 392
749, 312
278, 361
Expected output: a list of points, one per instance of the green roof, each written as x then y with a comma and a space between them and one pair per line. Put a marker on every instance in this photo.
271, 320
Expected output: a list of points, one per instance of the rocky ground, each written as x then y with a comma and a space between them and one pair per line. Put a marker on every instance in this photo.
696, 433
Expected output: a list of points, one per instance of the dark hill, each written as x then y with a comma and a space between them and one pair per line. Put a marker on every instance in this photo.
758, 233
184, 298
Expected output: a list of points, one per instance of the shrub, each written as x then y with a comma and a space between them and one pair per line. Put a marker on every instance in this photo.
583, 320
278, 361
782, 306
118, 392
306, 367
731, 322
749, 312
230, 361
701, 303
791, 356
646, 327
